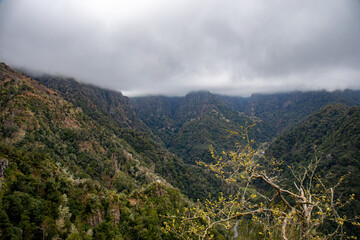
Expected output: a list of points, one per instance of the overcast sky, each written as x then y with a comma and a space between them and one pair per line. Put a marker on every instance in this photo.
171, 47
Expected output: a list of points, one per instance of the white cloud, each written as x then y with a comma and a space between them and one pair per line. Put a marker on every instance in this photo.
172, 47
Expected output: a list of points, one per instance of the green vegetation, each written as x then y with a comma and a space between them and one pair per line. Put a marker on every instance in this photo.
68, 176
40, 200
189, 125
335, 130
283, 212
80, 162
109, 110
286, 110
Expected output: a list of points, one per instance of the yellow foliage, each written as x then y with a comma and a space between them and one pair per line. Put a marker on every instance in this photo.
286, 214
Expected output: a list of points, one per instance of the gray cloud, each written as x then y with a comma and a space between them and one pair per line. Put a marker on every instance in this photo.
172, 47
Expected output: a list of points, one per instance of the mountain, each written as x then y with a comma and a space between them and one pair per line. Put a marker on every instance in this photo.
112, 111
36, 117
81, 162
236, 103
335, 131
104, 106
285, 110
64, 175
41, 200
189, 125
298, 121
158, 113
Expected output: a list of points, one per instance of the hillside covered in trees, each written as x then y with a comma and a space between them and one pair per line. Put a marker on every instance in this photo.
81, 162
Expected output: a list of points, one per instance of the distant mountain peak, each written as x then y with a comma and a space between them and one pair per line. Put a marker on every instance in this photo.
202, 92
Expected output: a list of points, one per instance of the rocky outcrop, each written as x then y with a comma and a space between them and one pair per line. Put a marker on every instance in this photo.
4, 163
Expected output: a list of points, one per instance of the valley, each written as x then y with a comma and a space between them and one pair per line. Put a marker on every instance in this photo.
82, 162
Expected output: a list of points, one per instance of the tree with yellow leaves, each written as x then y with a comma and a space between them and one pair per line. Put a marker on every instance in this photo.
287, 214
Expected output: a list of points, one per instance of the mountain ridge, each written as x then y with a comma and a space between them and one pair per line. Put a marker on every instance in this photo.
139, 137
333, 136
117, 156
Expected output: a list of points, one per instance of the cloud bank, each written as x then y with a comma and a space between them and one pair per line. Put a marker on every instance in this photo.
173, 47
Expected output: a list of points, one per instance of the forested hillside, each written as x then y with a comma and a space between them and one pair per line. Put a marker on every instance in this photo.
112, 111
64, 174
333, 136
286, 110
81, 162
105, 106
297, 121
36, 117
42, 200
189, 125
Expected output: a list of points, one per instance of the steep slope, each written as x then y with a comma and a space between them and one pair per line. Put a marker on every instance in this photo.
286, 110
64, 176
104, 106
158, 112
189, 125
335, 130
40, 200
36, 117
109, 110
195, 104
236, 103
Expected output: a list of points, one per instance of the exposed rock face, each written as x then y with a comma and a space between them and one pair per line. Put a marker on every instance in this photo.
3, 165
96, 218
116, 214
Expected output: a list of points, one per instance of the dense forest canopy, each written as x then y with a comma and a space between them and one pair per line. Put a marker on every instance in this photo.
81, 162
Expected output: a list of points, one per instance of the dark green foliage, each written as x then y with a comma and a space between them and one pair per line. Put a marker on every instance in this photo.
104, 106
40, 119
335, 130
88, 168
236, 103
189, 125
286, 110
66, 169
46, 202
110, 111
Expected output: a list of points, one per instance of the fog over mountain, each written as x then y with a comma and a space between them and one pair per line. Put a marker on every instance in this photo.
173, 47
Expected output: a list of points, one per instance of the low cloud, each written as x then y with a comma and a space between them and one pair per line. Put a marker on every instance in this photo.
173, 47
